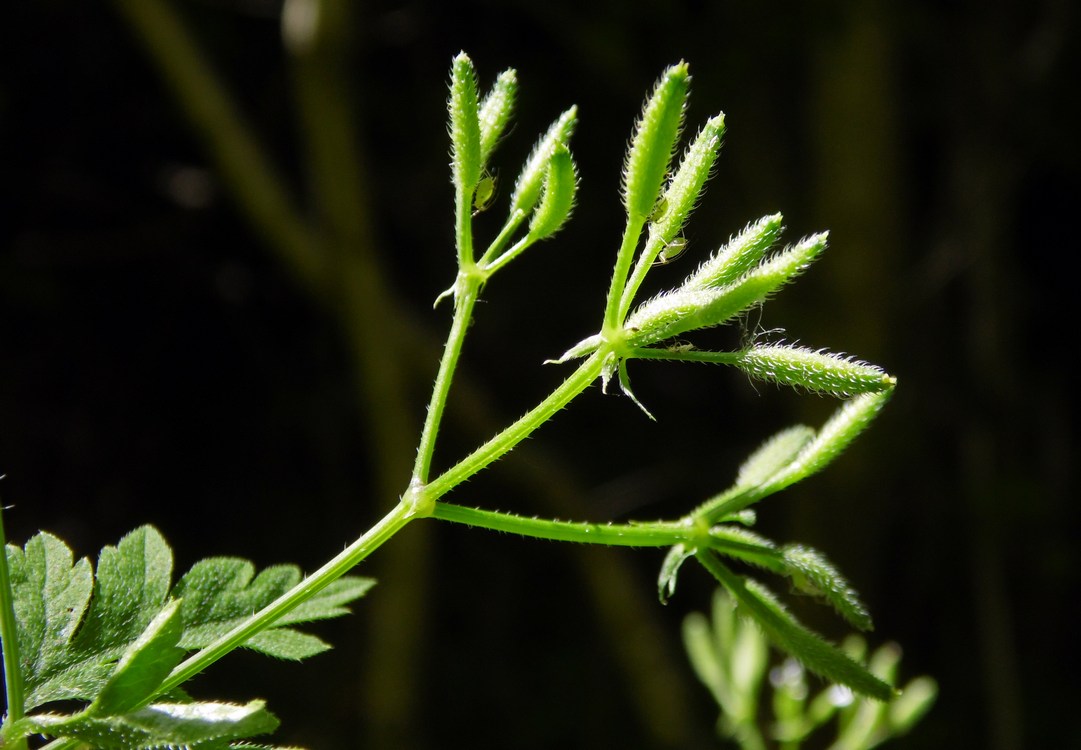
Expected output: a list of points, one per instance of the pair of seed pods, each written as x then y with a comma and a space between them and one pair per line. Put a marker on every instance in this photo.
488, 186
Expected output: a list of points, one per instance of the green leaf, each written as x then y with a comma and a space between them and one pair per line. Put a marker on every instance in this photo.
143, 667
71, 642
132, 583
286, 643
161, 725
789, 635
813, 574
666, 581
221, 592
50, 595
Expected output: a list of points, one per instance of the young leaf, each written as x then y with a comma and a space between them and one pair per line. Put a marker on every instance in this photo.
789, 635
160, 725
143, 667
814, 574
666, 581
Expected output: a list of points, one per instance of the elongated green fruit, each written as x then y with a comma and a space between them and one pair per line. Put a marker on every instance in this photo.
690, 309
527, 189
816, 371
689, 181
654, 142
496, 111
742, 253
557, 199
464, 124
787, 633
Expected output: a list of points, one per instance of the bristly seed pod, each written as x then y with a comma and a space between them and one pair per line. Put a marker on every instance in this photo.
654, 142
464, 124
557, 200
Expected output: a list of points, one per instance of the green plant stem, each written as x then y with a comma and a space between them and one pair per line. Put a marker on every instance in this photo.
619, 274
9, 636
347, 559
657, 534
690, 355
466, 290
463, 225
502, 443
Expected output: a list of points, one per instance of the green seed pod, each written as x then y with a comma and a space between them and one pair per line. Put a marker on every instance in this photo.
527, 190
737, 257
688, 309
687, 184
495, 112
817, 371
464, 124
557, 200
654, 142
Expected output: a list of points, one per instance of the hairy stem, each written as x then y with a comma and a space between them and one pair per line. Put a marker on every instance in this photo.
505, 441
338, 566
465, 297
9, 637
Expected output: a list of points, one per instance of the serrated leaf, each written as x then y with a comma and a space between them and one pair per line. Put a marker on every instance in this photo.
132, 582
143, 667
789, 635
71, 642
161, 725
50, 596
813, 574
219, 593
329, 602
286, 643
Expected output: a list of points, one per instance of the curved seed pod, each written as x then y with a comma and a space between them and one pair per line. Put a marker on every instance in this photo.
654, 142
557, 200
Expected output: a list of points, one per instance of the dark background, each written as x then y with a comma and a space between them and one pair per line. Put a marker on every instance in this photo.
164, 361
